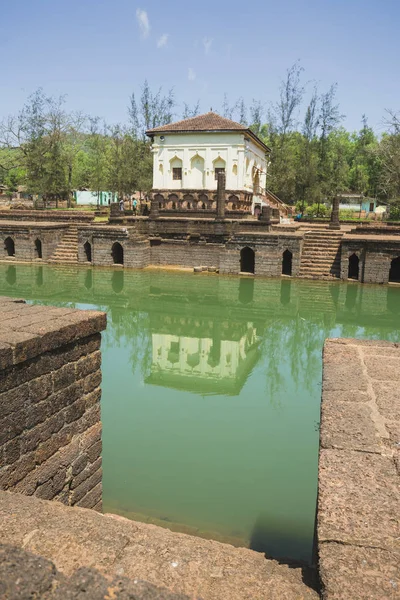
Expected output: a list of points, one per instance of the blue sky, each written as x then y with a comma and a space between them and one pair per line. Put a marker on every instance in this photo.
99, 51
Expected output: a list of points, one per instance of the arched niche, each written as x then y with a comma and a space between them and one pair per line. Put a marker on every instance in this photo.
38, 248
247, 260
87, 248
394, 272
354, 267
9, 247
117, 253
287, 258
197, 172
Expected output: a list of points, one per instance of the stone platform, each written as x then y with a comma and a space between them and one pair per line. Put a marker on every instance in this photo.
359, 468
73, 538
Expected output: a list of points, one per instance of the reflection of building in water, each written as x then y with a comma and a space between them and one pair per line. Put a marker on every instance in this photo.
216, 360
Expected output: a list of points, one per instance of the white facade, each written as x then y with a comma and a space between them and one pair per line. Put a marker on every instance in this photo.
195, 156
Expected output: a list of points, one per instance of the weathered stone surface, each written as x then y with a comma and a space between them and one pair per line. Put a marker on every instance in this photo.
349, 425
117, 547
388, 398
24, 576
357, 573
50, 402
358, 499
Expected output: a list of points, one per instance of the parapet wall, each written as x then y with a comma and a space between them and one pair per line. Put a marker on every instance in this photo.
50, 428
65, 216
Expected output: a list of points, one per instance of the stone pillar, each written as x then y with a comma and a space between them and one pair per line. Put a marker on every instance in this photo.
335, 223
221, 196
153, 207
115, 210
265, 216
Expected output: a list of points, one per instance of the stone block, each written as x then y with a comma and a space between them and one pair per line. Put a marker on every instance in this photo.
92, 498
387, 398
86, 473
86, 486
358, 498
348, 425
384, 368
91, 382
94, 451
351, 572
64, 377
344, 370
45, 491
40, 388
14, 400
88, 364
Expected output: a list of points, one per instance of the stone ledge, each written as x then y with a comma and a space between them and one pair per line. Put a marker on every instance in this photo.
29, 330
358, 493
117, 547
26, 575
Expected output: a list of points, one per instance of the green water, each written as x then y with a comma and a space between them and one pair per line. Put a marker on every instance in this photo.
211, 392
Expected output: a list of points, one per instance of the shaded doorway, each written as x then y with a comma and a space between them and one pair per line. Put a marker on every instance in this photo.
354, 267
9, 247
287, 263
117, 253
247, 260
394, 273
87, 247
38, 248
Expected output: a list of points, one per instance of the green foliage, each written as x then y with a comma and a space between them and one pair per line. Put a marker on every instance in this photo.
317, 210
52, 152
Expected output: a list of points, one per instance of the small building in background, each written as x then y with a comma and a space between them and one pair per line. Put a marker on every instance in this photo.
90, 198
358, 203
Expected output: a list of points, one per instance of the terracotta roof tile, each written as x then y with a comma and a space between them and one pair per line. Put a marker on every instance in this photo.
208, 122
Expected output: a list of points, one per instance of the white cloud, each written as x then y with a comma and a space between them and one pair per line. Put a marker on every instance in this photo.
207, 42
143, 21
191, 74
162, 41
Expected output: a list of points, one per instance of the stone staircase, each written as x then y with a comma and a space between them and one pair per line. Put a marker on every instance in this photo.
320, 257
67, 249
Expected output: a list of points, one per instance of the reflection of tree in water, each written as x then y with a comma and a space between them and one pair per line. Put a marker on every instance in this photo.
292, 345
131, 329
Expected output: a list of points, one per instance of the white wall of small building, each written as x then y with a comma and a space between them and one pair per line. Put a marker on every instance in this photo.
198, 154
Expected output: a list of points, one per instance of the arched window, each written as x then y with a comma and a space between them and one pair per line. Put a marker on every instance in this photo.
394, 273
287, 263
203, 206
173, 206
247, 260
38, 248
117, 253
9, 247
354, 267
87, 247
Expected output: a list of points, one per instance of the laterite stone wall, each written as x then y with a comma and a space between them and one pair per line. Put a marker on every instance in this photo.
50, 427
